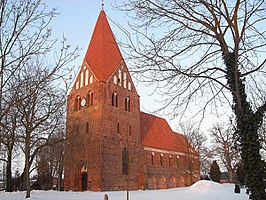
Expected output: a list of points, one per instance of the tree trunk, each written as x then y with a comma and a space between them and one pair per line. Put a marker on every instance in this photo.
27, 160
247, 129
9, 172
230, 175
60, 178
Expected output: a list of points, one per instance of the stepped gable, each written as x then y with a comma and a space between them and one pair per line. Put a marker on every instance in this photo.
103, 55
157, 133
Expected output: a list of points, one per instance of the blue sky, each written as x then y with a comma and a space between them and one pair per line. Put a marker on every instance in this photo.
78, 17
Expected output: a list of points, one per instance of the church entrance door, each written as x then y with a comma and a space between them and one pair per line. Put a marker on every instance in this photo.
84, 182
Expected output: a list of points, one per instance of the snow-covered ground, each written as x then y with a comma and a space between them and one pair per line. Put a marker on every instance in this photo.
202, 190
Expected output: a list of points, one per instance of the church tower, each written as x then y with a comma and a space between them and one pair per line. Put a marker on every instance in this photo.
103, 141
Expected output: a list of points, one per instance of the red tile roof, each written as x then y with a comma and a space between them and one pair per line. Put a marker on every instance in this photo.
103, 55
157, 133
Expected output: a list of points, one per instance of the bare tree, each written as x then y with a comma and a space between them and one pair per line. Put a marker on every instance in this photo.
9, 127
198, 141
49, 162
209, 54
20, 38
24, 33
41, 110
25, 41
8, 140
225, 147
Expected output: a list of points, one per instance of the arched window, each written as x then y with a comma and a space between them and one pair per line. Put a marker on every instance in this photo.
118, 127
90, 98
91, 79
77, 103
77, 85
119, 77
125, 80
177, 157
152, 158
169, 160
129, 85
125, 161
115, 99
81, 79
87, 128
115, 79
127, 104
87, 77
161, 159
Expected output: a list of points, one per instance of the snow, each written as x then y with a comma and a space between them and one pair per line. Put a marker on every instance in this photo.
202, 190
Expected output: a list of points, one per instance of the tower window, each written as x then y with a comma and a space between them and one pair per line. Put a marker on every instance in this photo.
87, 128
81, 79
169, 160
77, 85
77, 103
91, 79
90, 98
115, 99
118, 127
119, 77
125, 80
87, 77
125, 161
115, 80
127, 104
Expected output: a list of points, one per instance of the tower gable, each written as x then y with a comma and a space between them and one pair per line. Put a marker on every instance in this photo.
85, 77
122, 78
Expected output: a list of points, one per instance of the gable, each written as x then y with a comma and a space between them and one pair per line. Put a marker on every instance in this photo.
85, 77
122, 78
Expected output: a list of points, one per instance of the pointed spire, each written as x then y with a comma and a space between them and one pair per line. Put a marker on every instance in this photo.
103, 55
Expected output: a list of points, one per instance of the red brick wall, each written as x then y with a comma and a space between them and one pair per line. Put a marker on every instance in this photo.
172, 173
81, 145
113, 142
101, 149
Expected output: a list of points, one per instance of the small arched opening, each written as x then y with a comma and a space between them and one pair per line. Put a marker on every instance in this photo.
81, 177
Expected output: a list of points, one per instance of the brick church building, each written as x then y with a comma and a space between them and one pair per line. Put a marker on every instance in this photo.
110, 143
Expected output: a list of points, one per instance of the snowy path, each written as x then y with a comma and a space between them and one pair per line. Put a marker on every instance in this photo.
202, 190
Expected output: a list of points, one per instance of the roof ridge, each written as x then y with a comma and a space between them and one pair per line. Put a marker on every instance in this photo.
153, 115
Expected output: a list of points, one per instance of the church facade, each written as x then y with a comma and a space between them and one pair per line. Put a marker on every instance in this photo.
110, 143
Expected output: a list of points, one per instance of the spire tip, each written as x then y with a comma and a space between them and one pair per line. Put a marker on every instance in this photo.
102, 4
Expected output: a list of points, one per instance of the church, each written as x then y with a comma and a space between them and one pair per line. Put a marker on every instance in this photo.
110, 143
